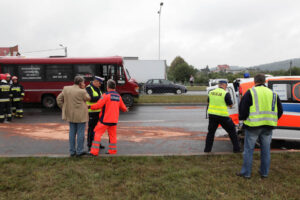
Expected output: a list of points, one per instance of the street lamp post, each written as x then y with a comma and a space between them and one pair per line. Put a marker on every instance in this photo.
291, 62
65, 48
159, 12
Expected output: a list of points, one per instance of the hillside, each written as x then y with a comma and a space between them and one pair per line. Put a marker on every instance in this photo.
285, 65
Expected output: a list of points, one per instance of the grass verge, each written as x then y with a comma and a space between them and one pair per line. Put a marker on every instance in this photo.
171, 99
196, 88
173, 177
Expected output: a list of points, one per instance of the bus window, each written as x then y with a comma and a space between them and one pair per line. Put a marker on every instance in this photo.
85, 70
59, 72
112, 72
11, 69
120, 75
104, 71
31, 72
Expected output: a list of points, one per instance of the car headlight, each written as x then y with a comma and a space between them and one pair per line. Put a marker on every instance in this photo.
137, 89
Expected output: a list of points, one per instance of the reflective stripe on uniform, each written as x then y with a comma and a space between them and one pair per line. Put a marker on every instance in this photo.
2, 116
4, 100
16, 99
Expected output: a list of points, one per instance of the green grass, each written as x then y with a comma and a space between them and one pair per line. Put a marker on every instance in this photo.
171, 99
196, 88
172, 177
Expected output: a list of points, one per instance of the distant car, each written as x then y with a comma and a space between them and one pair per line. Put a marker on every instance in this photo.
163, 86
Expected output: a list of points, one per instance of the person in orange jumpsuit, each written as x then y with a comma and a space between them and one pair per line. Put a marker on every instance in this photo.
110, 104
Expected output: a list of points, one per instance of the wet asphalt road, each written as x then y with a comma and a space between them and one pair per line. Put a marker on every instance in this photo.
143, 130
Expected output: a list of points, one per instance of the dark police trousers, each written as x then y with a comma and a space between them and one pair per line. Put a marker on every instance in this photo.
93, 120
229, 127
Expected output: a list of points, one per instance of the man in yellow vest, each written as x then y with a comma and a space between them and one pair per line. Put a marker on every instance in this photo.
93, 89
218, 113
260, 108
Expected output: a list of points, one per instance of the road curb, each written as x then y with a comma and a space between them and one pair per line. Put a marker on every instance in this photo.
139, 155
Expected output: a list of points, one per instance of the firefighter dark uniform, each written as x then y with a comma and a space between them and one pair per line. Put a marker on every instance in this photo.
95, 94
17, 97
5, 103
219, 99
110, 103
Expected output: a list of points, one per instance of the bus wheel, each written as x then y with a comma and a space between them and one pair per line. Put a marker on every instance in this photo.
127, 99
49, 101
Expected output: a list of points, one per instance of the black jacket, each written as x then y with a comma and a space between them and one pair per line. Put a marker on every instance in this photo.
246, 102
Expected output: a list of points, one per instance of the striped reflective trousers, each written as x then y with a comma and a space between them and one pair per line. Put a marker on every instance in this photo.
112, 134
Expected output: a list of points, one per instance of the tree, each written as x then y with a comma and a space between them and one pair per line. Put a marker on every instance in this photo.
180, 71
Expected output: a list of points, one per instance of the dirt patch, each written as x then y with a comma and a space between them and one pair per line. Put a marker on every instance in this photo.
128, 132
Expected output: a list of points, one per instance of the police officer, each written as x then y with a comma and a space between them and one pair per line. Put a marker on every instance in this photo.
261, 108
5, 103
17, 97
93, 89
218, 100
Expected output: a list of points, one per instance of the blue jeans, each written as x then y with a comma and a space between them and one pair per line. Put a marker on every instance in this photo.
76, 128
265, 137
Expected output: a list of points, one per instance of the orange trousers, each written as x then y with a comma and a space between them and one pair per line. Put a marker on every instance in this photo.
112, 134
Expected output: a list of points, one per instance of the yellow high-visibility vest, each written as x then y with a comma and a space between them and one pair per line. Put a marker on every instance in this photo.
95, 94
217, 104
264, 107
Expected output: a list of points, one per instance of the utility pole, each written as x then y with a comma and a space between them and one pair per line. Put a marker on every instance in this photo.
291, 62
159, 12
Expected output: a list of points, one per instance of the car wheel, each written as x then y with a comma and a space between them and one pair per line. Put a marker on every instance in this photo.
149, 91
49, 101
178, 91
128, 99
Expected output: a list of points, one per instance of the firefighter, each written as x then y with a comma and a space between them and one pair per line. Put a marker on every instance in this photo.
218, 100
8, 78
5, 103
110, 103
17, 97
93, 89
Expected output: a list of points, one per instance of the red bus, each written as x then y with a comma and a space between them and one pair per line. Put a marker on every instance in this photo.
44, 78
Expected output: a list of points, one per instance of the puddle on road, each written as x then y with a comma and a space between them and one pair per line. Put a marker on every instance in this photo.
126, 132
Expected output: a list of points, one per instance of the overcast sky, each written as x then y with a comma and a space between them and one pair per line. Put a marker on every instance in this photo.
203, 32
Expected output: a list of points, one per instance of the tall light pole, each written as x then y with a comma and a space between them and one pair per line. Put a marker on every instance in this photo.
291, 62
159, 12
65, 48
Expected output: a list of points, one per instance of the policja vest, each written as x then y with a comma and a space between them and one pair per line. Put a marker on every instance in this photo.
217, 104
263, 111
95, 94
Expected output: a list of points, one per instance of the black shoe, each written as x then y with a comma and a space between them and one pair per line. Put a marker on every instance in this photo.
73, 155
238, 151
262, 176
90, 155
81, 154
102, 146
242, 175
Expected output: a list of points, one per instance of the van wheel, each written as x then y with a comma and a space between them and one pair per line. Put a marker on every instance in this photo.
127, 99
49, 101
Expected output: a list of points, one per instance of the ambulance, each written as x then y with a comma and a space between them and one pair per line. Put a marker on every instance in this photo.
288, 90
